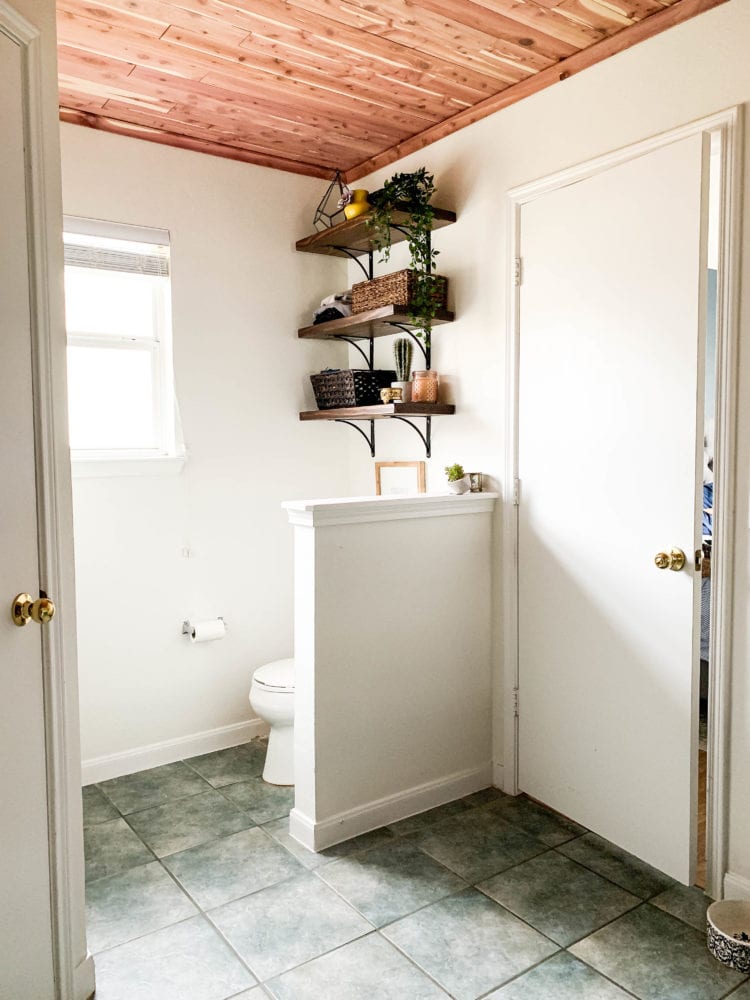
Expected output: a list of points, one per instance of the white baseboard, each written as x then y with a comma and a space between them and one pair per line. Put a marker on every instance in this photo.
140, 758
83, 979
498, 776
736, 886
362, 819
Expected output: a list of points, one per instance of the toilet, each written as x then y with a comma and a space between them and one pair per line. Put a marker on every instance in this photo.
272, 699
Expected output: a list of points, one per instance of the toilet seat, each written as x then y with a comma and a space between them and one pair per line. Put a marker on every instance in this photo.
276, 676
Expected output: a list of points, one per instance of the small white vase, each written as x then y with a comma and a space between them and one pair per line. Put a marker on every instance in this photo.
460, 485
405, 388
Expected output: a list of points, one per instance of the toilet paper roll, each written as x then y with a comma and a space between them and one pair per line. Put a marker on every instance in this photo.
207, 631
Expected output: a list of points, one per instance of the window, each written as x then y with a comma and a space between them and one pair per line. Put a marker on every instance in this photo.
118, 318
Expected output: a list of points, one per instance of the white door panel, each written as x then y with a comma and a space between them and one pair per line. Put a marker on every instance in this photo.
611, 307
26, 969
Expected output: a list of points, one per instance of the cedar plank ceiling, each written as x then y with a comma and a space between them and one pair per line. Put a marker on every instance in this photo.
313, 85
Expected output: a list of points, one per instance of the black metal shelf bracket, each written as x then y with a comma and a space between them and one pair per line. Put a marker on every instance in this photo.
369, 439
369, 356
426, 437
353, 255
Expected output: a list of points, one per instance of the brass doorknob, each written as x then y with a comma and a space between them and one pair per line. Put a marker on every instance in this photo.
674, 560
25, 609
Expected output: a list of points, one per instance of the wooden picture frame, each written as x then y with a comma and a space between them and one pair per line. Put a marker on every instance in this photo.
399, 478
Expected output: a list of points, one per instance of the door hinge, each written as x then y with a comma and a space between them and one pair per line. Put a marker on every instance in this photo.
517, 271
515, 703
516, 492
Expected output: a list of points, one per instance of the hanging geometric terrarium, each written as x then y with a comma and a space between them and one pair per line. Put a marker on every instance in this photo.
332, 203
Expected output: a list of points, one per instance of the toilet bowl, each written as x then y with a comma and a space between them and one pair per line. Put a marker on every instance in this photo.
272, 699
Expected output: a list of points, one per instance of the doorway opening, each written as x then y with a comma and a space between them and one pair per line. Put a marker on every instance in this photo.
707, 553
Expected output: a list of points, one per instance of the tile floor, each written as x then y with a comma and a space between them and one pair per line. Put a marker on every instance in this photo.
196, 892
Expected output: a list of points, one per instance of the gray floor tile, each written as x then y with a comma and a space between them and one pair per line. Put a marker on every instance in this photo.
279, 830
428, 818
483, 797
534, 819
256, 993
364, 842
225, 767
153, 787
96, 806
112, 847
477, 844
469, 944
133, 903
185, 823
264, 802
558, 897
561, 977
231, 867
390, 881
287, 924
368, 969
687, 903
188, 960
657, 957
617, 865
743, 993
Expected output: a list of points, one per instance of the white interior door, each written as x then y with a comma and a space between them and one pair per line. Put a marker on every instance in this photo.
611, 315
26, 962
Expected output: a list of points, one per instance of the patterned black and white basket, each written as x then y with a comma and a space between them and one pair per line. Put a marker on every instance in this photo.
728, 929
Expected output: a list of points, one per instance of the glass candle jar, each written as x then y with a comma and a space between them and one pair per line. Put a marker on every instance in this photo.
424, 388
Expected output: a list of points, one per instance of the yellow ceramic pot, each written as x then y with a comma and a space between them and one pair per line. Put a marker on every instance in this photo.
358, 205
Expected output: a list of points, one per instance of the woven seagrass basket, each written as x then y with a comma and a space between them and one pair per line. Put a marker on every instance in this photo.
393, 289
349, 387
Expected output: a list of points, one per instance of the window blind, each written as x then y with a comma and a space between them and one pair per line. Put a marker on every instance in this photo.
151, 259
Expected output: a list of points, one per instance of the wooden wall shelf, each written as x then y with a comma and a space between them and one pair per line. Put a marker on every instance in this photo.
354, 237
380, 411
382, 322
353, 415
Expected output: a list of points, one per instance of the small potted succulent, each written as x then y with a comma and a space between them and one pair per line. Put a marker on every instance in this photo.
402, 353
458, 481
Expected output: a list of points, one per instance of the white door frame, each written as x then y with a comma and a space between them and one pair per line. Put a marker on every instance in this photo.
73, 967
729, 125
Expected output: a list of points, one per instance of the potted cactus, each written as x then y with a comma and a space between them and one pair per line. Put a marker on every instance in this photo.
458, 481
402, 352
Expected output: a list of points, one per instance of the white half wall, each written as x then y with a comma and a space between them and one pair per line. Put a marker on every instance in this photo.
392, 648
688, 72
154, 550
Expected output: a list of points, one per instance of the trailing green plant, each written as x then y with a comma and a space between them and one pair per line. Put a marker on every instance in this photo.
410, 192
454, 472
402, 352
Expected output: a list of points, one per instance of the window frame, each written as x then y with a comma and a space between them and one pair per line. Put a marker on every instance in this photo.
168, 454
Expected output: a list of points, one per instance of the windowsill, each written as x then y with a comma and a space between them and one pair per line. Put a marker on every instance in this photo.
111, 468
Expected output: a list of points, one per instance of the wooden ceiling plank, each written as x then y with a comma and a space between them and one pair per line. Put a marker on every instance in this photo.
342, 59
605, 19
661, 21
182, 122
115, 17
317, 115
432, 36
333, 32
108, 124
90, 67
222, 106
196, 19
100, 90
532, 14
288, 93
516, 36
373, 91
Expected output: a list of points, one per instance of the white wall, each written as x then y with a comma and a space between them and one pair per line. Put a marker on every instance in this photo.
392, 642
690, 71
239, 293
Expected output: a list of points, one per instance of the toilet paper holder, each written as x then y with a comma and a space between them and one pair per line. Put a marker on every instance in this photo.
187, 625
